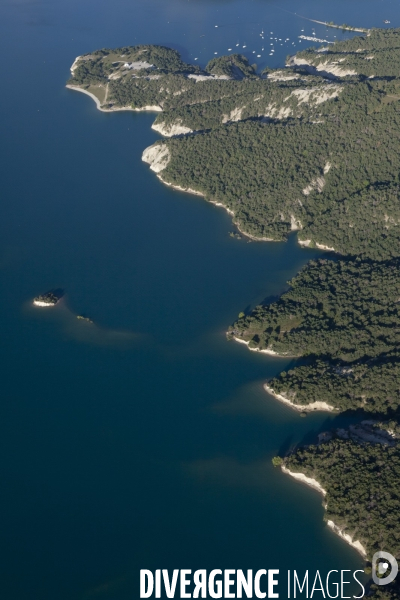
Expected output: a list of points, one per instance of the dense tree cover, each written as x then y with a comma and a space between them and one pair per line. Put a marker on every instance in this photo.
393, 426
228, 82
234, 65
255, 171
288, 151
101, 64
209, 102
387, 592
90, 70
374, 55
373, 385
346, 310
346, 315
362, 482
365, 223
271, 175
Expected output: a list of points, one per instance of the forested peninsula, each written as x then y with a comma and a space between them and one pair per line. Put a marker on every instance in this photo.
357, 470
312, 148
345, 316
359, 474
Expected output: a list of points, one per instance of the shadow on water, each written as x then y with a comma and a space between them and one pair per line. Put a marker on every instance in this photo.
286, 446
57, 292
228, 472
268, 300
340, 421
250, 400
155, 453
81, 328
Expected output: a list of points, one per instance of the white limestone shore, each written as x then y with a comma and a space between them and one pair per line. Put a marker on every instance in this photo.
313, 406
171, 130
268, 351
249, 235
74, 64
306, 244
191, 191
323, 247
148, 108
313, 483
112, 109
332, 68
179, 188
304, 479
157, 156
44, 304
228, 210
347, 538
93, 97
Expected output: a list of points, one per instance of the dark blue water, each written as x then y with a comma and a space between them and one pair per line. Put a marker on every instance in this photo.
144, 441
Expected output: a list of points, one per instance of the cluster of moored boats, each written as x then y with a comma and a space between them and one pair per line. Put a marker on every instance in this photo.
276, 40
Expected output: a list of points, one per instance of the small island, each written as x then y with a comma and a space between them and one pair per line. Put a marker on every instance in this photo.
48, 299
311, 148
83, 318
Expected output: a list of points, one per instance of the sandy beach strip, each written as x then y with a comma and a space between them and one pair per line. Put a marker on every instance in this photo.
112, 109
313, 406
268, 351
347, 538
313, 483
178, 187
304, 479
230, 212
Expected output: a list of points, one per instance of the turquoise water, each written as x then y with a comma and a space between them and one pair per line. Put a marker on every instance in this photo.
145, 441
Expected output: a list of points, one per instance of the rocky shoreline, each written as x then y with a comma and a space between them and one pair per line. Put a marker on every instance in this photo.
313, 483
313, 406
100, 107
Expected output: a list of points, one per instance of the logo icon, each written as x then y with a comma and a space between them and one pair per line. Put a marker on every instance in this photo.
381, 562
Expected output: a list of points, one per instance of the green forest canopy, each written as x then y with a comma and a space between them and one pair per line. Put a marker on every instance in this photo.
283, 151
290, 150
346, 316
363, 489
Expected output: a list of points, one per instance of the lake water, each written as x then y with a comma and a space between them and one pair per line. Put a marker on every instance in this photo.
144, 441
